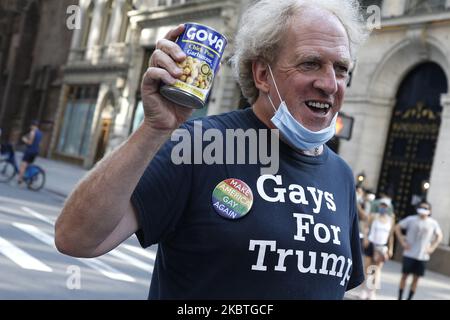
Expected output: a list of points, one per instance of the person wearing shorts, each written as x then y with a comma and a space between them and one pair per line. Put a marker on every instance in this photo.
378, 247
32, 140
423, 235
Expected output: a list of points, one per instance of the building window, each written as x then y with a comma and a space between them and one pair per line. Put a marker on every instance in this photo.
125, 21
105, 22
75, 136
367, 3
173, 2
87, 25
415, 7
138, 114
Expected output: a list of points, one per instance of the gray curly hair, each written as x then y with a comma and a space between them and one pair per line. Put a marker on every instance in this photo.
262, 27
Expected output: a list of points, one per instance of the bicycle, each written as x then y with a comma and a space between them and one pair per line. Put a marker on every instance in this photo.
34, 176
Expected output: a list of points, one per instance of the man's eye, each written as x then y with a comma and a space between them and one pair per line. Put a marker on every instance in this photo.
309, 65
342, 70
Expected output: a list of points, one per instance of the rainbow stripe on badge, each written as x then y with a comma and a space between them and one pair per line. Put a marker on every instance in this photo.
232, 199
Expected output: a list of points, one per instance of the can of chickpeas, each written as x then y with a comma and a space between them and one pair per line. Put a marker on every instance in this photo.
204, 48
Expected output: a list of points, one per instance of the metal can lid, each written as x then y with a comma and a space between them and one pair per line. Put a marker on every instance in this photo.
181, 97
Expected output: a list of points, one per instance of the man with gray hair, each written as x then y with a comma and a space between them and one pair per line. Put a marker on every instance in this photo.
226, 231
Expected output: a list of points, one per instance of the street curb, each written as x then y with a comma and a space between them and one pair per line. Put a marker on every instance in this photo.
58, 193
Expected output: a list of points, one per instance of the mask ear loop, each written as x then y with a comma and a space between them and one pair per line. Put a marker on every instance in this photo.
274, 82
271, 102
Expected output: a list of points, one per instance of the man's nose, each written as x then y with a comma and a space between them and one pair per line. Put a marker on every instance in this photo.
326, 81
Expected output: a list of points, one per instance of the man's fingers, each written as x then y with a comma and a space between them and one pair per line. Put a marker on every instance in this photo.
173, 34
161, 60
162, 63
171, 48
156, 75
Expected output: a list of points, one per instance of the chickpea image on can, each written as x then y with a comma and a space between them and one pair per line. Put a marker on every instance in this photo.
196, 73
204, 48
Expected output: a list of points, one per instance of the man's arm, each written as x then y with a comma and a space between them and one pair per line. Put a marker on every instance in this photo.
29, 139
401, 237
99, 215
362, 215
434, 244
366, 229
391, 240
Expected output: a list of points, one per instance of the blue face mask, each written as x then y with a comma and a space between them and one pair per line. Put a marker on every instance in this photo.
382, 210
294, 132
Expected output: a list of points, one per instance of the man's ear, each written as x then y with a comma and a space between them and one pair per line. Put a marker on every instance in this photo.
261, 75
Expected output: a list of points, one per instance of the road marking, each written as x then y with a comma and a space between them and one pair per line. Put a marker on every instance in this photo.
35, 233
22, 202
12, 211
127, 258
22, 258
38, 215
148, 254
94, 263
106, 270
21, 211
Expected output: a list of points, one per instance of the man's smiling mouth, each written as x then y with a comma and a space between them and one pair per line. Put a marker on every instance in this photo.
318, 106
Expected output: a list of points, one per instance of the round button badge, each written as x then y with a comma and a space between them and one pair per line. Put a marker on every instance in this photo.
232, 199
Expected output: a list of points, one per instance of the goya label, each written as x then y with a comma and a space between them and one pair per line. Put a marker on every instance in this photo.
204, 48
232, 199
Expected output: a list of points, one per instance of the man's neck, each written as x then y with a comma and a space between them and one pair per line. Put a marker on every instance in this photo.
313, 152
263, 114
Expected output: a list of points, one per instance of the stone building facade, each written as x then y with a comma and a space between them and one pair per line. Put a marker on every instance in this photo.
93, 101
34, 45
400, 101
100, 103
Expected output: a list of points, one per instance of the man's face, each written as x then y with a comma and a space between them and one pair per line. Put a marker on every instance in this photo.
311, 68
423, 206
382, 208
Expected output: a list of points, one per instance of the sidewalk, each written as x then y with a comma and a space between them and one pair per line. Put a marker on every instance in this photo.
433, 286
61, 177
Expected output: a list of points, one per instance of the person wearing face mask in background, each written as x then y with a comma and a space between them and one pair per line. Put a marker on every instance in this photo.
369, 198
378, 247
362, 213
299, 238
423, 235
387, 199
364, 199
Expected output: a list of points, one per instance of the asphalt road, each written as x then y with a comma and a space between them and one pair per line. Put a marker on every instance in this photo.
32, 268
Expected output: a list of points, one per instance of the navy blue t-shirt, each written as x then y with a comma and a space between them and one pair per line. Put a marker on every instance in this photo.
300, 239
34, 147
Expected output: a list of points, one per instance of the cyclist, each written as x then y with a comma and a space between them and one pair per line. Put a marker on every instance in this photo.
32, 140
6, 149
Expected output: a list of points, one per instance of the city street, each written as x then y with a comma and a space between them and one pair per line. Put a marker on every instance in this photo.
322, 120
32, 268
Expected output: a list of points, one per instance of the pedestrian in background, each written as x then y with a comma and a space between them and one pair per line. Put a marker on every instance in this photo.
423, 235
32, 140
378, 247
363, 215
385, 198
